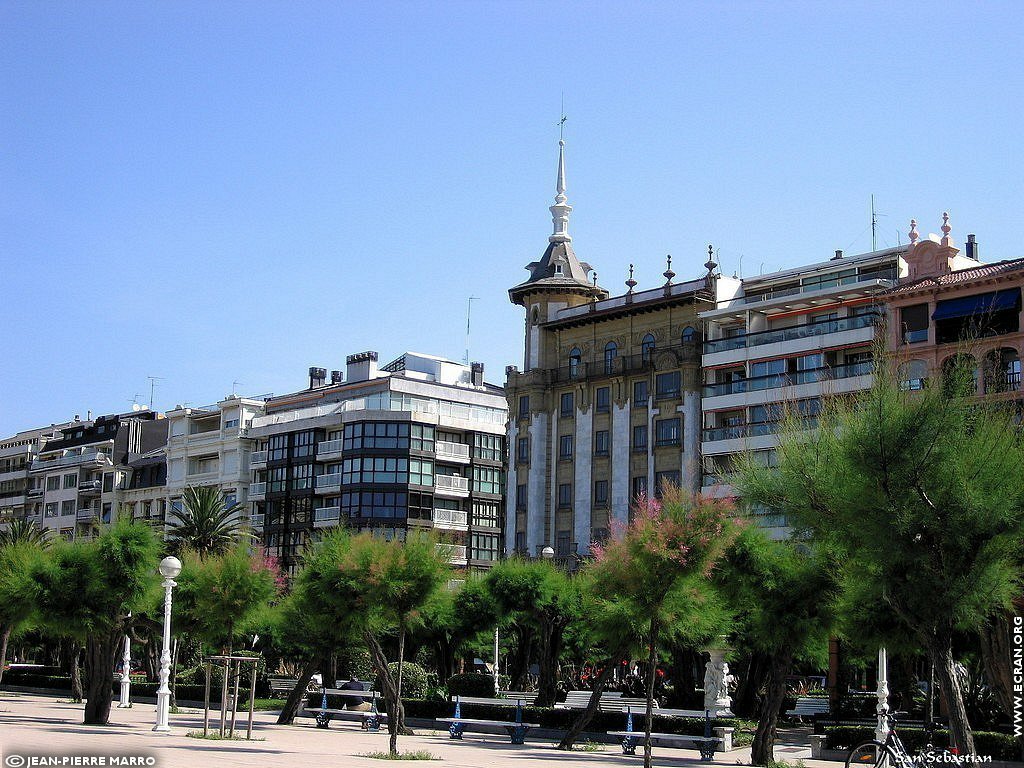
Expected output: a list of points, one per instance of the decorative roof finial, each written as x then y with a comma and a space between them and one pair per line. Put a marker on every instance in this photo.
668, 273
561, 209
946, 229
595, 278
631, 283
913, 232
710, 264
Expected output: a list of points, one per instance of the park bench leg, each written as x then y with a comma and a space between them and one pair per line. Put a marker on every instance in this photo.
518, 734
707, 751
322, 719
629, 745
455, 730
371, 723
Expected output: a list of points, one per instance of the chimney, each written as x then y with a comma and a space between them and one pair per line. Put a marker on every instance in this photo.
972, 248
839, 255
335, 377
477, 374
317, 377
361, 366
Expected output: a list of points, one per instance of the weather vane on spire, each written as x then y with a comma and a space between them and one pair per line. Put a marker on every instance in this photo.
561, 123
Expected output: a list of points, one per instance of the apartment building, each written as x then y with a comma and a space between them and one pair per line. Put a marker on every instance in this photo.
210, 446
416, 444
607, 404
18, 497
79, 475
953, 309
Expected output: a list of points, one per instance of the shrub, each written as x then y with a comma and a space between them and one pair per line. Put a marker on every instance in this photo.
1001, 746
414, 679
471, 684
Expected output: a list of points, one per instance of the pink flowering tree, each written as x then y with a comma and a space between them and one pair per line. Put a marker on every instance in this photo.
661, 565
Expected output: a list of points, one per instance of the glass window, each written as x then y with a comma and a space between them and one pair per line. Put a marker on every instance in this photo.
565, 495
602, 443
421, 472
382, 434
666, 385
302, 477
640, 393
639, 437
523, 450
666, 431
601, 493
484, 546
603, 399
611, 351
563, 544
566, 404
524, 406
421, 438
50, 510
277, 448
521, 497
647, 348
489, 447
277, 479
486, 514
53, 482
914, 323
302, 444
574, 363
71, 480
663, 480
67, 507
565, 447
689, 335
488, 480
383, 469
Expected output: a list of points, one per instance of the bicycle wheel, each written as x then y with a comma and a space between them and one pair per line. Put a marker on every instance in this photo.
871, 754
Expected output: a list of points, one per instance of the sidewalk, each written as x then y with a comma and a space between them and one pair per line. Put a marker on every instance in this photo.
33, 725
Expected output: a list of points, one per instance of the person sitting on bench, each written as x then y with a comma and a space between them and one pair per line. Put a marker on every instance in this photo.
356, 703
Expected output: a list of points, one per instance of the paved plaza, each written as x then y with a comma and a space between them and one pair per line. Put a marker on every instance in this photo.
41, 725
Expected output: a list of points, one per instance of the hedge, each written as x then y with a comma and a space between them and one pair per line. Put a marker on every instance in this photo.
185, 692
1001, 746
471, 684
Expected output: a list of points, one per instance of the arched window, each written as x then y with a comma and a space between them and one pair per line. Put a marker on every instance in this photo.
647, 348
574, 363
689, 334
960, 375
1001, 370
913, 374
611, 351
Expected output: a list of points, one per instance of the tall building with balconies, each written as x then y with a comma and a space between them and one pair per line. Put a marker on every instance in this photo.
416, 444
776, 344
81, 474
607, 404
19, 496
211, 446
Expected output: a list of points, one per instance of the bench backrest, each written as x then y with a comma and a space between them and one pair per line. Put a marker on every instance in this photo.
348, 693
526, 697
811, 704
490, 701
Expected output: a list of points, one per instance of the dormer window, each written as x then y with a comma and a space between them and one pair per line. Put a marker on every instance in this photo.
558, 269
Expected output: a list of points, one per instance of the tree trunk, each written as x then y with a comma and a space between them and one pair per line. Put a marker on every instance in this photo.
584, 718
747, 700
762, 750
996, 651
393, 705
173, 701
548, 653
393, 745
652, 670
940, 651
99, 670
76, 675
298, 693
3, 647
519, 661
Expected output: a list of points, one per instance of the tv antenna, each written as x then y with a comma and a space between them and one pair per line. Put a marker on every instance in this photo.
874, 224
469, 312
152, 388
234, 386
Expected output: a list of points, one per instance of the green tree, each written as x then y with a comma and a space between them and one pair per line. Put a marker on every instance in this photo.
87, 590
457, 620
784, 596
24, 532
540, 600
205, 524
660, 569
921, 496
19, 557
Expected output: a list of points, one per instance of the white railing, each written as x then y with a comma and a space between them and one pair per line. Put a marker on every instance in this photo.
456, 552
89, 485
257, 489
451, 483
326, 514
328, 446
75, 458
446, 450
450, 518
86, 514
257, 457
256, 521
332, 480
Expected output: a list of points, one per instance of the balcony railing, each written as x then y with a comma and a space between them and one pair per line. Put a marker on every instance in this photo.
809, 330
325, 483
89, 486
257, 458
88, 513
451, 483
454, 451
87, 457
451, 518
756, 429
257, 489
256, 521
1004, 381
328, 448
34, 493
775, 380
456, 552
326, 515
686, 352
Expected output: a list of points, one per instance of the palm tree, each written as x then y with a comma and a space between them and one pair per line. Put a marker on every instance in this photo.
205, 524
23, 531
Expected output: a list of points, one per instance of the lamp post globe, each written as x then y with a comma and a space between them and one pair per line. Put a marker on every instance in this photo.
169, 568
548, 553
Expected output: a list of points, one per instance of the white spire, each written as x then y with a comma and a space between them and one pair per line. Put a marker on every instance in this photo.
561, 209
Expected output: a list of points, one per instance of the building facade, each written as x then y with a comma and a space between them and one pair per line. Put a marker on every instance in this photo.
416, 444
607, 404
19, 499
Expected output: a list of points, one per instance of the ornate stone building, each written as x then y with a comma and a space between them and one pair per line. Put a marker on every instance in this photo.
607, 405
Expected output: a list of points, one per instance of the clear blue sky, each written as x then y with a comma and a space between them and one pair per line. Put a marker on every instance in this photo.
210, 192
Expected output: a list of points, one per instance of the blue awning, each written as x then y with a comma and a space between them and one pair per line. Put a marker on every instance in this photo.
982, 304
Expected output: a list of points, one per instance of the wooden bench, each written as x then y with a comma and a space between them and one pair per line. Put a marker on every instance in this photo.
282, 685
528, 698
516, 729
580, 699
370, 719
706, 744
808, 706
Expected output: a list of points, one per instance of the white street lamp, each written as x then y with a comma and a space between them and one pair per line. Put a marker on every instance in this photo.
882, 708
126, 680
169, 568
547, 553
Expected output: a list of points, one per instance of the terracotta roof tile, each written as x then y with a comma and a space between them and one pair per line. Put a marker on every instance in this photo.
962, 276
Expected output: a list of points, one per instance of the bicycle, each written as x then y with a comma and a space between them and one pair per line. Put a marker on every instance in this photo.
892, 753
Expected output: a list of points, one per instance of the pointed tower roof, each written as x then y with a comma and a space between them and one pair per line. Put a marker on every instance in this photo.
558, 271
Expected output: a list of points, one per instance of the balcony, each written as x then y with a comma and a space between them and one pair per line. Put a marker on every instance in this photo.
451, 519
328, 483
456, 553
451, 485
794, 333
328, 450
14, 474
452, 451
256, 521
257, 491
257, 459
688, 352
98, 458
89, 487
757, 429
326, 516
87, 514
776, 380
34, 493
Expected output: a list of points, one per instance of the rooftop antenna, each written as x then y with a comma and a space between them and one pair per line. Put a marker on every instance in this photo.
469, 312
152, 387
234, 385
874, 224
